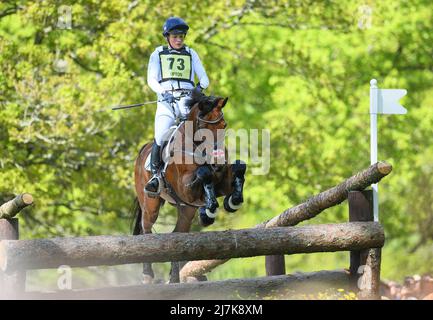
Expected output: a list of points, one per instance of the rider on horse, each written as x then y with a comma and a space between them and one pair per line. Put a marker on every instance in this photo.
171, 74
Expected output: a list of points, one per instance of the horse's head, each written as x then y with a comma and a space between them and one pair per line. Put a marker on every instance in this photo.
207, 117
206, 112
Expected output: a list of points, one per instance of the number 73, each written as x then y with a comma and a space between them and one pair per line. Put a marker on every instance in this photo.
180, 63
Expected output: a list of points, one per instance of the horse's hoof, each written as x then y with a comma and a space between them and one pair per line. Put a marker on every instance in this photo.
158, 281
174, 279
229, 206
205, 220
146, 279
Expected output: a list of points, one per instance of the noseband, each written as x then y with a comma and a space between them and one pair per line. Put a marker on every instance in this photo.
214, 121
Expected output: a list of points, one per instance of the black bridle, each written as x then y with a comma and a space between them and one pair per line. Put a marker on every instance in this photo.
213, 121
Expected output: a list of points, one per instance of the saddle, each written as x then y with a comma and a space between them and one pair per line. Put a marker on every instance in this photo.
167, 152
167, 140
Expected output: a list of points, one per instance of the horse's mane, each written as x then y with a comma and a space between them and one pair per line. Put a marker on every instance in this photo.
207, 103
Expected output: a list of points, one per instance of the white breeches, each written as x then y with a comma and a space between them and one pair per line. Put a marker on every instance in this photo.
164, 117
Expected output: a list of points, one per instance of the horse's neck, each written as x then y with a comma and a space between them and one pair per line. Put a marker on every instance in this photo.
185, 134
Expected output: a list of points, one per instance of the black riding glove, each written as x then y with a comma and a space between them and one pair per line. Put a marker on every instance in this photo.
168, 97
198, 87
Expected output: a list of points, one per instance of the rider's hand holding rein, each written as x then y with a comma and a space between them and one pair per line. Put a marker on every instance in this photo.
168, 97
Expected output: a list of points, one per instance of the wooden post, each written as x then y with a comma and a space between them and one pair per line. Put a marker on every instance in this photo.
275, 265
9, 229
11, 284
364, 264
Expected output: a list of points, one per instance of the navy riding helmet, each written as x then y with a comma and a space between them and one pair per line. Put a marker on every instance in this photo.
175, 26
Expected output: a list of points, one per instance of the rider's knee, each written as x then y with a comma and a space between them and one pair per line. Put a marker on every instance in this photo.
158, 143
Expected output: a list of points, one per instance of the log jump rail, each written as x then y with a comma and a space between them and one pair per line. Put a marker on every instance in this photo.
206, 250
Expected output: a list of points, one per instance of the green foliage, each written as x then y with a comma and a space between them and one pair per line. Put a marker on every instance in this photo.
299, 68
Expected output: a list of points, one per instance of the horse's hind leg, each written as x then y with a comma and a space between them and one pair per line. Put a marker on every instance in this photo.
150, 214
183, 224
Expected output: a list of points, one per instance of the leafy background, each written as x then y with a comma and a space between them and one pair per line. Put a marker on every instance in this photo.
298, 68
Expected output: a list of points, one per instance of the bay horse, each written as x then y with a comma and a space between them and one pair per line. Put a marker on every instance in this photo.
190, 185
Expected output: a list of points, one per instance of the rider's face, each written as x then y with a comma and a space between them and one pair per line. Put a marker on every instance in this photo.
176, 40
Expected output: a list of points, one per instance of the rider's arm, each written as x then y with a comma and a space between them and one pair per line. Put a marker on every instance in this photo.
153, 75
199, 70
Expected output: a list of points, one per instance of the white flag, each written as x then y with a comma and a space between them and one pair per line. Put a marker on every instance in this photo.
388, 101
382, 101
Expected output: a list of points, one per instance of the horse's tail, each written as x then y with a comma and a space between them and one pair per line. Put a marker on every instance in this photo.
136, 211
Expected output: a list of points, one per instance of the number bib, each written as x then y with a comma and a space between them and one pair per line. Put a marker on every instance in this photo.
175, 66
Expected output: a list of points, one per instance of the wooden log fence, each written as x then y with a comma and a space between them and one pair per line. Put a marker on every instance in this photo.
273, 238
115, 250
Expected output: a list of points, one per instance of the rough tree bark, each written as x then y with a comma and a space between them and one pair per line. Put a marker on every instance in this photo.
304, 211
9, 209
114, 250
276, 286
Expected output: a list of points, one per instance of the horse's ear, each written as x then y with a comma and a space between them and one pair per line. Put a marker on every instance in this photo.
221, 102
224, 102
200, 105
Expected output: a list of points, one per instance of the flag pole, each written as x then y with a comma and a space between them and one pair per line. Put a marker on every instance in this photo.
373, 142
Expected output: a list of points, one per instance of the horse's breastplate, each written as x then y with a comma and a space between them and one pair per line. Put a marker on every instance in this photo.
175, 65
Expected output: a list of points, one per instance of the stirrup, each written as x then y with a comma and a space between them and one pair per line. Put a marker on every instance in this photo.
153, 194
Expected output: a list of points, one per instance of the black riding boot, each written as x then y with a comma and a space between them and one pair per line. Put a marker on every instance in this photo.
155, 161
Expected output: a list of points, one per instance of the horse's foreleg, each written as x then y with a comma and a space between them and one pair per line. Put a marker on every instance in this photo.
234, 201
238, 168
183, 224
207, 213
150, 214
